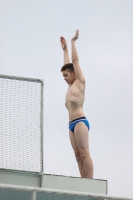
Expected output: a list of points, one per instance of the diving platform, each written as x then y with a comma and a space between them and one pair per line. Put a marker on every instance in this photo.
53, 182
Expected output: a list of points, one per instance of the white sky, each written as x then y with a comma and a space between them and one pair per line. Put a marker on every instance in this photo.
30, 47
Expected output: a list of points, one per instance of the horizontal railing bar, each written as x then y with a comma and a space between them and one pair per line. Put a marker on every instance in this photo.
21, 78
65, 192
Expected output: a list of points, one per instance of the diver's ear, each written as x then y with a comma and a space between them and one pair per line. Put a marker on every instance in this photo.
74, 72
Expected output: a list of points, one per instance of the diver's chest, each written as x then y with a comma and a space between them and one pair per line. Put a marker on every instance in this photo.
73, 92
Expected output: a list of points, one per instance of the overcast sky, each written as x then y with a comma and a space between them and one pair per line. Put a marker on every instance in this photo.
30, 47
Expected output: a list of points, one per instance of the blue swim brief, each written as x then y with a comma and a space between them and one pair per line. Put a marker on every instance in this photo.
73, 123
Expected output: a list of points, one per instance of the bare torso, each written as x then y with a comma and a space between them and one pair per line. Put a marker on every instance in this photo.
75, 99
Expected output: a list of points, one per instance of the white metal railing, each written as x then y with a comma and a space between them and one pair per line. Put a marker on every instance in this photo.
63, 193
21, 123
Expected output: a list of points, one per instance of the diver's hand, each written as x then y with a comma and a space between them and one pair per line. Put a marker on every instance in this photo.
63, 43
76, 36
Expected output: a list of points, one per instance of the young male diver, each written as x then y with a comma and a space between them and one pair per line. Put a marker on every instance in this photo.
78, 124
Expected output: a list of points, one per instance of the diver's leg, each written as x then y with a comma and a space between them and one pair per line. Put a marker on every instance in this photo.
81, 136
77, 154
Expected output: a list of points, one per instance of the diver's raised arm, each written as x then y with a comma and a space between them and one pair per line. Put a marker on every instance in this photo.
75, 59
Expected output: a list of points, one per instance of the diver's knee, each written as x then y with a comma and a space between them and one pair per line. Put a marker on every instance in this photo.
77, 155
84, 153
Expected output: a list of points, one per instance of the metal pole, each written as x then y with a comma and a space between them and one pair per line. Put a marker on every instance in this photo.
42, 137
33, 195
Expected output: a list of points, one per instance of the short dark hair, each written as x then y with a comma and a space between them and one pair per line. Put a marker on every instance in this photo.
68, 67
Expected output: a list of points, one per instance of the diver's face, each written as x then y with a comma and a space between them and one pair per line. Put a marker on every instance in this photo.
69, 77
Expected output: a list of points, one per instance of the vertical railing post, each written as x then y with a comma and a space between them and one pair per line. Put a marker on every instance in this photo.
33, 195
